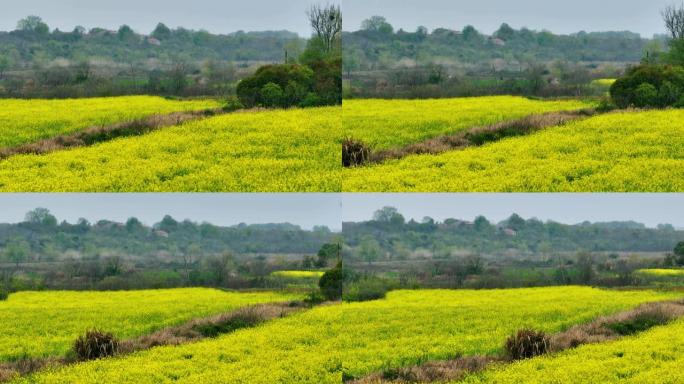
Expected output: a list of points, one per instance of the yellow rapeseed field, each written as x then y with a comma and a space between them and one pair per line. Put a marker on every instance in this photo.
40, 324
325, 343
653, 357
299, 274
384, 124
27, 121
294, 150
615, 152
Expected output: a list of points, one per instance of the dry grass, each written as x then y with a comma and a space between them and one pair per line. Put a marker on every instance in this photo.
93, 135
603, 329
191, 331
480, 135
448, 370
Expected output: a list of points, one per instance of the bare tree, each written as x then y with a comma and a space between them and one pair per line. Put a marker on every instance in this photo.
674, 20
326, 22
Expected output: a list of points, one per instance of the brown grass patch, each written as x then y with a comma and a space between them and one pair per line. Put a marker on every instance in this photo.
455, 369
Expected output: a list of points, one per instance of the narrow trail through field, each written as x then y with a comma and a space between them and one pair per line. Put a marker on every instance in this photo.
356, 154
98, 134
602, 329
189, 332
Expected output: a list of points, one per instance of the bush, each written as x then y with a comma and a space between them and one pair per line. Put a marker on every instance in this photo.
331, 283
269, 84
311, 100
272, 96
354, 153
232, 104
95, 345
646, 95
526, 344
4, 295
365, 289
649, 85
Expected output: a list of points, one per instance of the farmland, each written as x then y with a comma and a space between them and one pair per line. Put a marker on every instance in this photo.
27, 121
252, 151
299, 274
617, 152
385, 124
651, 357
317, 346
43, 324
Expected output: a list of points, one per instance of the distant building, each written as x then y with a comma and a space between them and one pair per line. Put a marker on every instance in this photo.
161, 233
510, 232
497, 41
153, 41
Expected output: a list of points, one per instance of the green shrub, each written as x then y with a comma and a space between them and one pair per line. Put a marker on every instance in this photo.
365, 289
646, 95
331, 283
649, 85
232, 103
95, 345
311, 100
272, 95
292, 80
4, 295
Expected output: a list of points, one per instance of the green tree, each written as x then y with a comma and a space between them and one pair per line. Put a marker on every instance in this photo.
377, 24
33, 24
41, 216
17, 251
331, 283
370, 249
585, 267
161, 32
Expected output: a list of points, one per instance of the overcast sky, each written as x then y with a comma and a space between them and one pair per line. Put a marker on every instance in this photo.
217, 16
650, 209
559, 16
305, 210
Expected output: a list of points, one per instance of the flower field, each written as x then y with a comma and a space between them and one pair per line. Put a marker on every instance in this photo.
654, 356
319, 345
384, 124
267, 151
27, 121
299, 274
615, 152
41, 324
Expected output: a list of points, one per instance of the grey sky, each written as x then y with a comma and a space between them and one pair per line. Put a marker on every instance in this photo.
650, 209
559, 16
305, 210
218, 16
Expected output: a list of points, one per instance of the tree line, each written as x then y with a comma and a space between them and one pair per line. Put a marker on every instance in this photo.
466, 62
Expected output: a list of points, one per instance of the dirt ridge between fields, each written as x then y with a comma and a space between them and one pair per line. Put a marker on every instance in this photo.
355, 153
192, 331
603, 329
97, 134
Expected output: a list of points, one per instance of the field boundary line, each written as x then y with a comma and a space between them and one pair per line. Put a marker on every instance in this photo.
356, 154
97, 134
